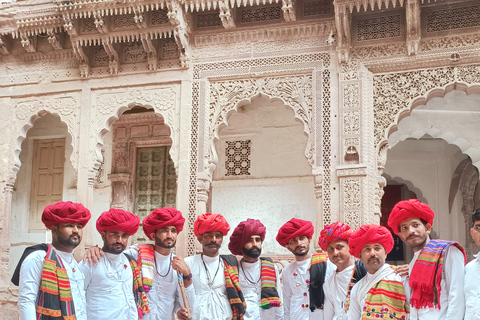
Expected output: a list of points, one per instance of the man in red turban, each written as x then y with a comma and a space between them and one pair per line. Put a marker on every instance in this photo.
437, 280
303, 279
258, 277
334, 240
381, 293
44, 263
215, 276
113, 270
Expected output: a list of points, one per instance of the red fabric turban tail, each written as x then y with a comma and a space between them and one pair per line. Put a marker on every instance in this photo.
118, 220
243, 232
294, 228
406, 209
210, 222
332, 232
370, 234
161, 218
65, 212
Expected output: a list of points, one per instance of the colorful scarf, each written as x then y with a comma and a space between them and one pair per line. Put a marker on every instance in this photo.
269, 293
426, 275
359, 271
386, 300
146, 264
318, 270
138, 289
234, 293
55, 298
16, 274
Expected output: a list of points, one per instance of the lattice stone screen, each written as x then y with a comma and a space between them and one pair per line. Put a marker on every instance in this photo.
237, 154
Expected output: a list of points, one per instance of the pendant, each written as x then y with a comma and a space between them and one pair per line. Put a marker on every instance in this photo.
73, 269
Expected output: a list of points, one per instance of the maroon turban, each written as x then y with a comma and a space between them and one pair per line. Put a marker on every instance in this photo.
243, 232
406, 209
210, 222
332, 232
294, 228
161, 218
370, 234
118, 220
65, 212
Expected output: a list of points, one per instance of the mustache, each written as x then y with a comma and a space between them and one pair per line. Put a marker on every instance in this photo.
300, 247
213, 243
413, 236
119, 244
373, 258
254, 249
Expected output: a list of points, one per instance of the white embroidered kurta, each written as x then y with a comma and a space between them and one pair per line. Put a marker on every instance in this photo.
31, 277
295, 291
472, 289
248, 273
452, 298
165, 297
335, 289
110, 283
211, 299
359, 292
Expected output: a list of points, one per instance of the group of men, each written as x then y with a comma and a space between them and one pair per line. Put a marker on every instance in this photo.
348, 279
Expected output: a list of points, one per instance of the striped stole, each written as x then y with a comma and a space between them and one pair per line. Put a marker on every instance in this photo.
146, 263
55, 298
234, 292
138, 289
386, 300
318, 270
426, 275
269, 294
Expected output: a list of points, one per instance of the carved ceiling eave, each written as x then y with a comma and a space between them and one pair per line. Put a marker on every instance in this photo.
369, 5
124, 36
202, 5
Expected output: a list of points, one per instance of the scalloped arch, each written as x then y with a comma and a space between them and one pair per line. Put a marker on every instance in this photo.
23, 134
409, 185
117, 114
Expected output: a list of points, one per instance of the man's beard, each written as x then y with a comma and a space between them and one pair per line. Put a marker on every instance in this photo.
299, 253
71, 241
253, 252
111, 249
162, 244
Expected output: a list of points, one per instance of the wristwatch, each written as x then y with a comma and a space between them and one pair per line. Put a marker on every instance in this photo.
189, 277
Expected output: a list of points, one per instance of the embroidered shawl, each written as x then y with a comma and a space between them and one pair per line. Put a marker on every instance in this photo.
386, 300
318, 270
269, 294
138, 289
426, 275
54, 299
146, 264
234, 292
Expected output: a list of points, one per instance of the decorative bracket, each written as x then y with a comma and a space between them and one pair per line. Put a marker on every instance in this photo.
151, 52
289, 9
413, 26
100, 23
182, 31
69, 26
3, 47
82, 57
53, 39
226, 15
113, 63
344, 34
28, 43
139, 19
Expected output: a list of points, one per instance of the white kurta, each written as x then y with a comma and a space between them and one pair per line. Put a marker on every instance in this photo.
452, 298
359, 293
31, 278
472, 289
335, 289
295, 291
165, 297
211, 299
248, 273
110, 283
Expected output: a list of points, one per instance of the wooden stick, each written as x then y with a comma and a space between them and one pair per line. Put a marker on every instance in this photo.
184, 295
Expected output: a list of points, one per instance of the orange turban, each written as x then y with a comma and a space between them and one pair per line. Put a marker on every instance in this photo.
161, 218
65, 212
370, 234
294, 228
210, 222
406, 209
332, 232
243, 232
118, 220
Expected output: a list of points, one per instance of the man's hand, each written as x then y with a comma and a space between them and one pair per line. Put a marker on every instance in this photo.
93, 255
402, 270
180, 266
182, 314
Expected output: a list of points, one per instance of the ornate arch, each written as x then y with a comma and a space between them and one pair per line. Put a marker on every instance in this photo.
27, 111
409, 185
295, 91
110, 104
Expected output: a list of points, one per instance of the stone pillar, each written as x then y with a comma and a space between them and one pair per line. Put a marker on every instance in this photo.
203, 189
318, 195
121, 186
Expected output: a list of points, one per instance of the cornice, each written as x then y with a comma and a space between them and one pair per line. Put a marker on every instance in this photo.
372, 5
202, 5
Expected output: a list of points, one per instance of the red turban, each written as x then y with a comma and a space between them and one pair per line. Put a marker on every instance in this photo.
243, 232
65, 212
406, 209
294, 228
370, 234
210, 222
332, 232
118, 220
161, 218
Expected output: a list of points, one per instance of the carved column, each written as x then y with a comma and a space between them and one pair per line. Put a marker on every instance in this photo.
318, 179
5, 231
121, 191
413, 26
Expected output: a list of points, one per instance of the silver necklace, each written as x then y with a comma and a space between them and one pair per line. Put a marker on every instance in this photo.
209, 279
